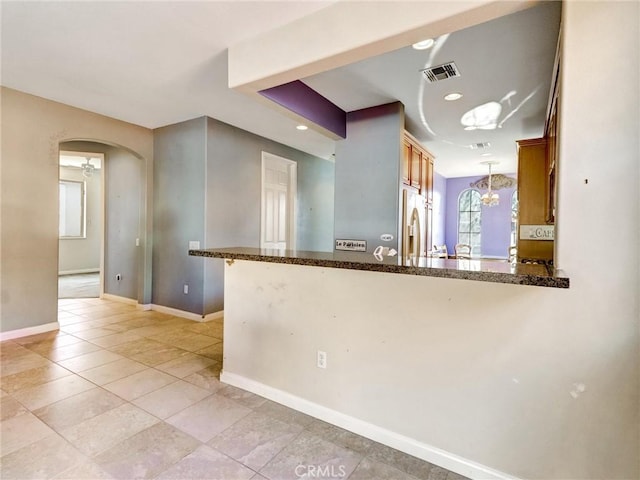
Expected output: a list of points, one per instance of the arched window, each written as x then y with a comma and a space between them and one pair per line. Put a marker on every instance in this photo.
470, 219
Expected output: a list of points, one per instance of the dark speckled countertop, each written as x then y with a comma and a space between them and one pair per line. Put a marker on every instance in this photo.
480, 270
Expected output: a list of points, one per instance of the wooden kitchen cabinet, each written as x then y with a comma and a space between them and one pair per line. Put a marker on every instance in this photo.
532, 198
406, 162
416, 160
417, 167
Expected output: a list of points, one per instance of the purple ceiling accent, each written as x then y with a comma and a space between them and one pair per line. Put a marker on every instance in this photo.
303, 100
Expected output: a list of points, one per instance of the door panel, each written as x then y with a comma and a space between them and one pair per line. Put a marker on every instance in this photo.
278, 197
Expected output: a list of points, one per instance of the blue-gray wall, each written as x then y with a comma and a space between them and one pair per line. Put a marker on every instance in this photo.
207, 187
124, 201
368, 162
234, 171
178, 214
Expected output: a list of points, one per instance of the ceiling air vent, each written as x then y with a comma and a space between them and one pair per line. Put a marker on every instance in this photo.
441, 72
480, 146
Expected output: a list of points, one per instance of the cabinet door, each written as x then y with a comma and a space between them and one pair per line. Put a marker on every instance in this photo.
429, 181
416, 157
406, 162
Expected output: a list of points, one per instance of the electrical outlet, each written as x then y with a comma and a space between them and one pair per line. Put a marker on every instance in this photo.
185, 289
322, 359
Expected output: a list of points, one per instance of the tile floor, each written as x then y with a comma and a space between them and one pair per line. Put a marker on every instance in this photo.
121, 393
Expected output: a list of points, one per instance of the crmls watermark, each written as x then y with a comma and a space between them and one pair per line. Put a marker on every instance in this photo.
321, 471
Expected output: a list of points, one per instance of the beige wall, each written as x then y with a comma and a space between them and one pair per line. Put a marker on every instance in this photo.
31, 131
490, 373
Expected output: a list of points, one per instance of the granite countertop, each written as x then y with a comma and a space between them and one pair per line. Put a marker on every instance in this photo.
480, 270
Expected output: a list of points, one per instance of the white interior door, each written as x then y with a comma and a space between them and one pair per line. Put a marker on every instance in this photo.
277, 228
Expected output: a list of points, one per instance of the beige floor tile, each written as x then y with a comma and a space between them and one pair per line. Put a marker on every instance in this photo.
212, 329
41, 459
208, 378
205, 462
113, 371
137, 321
370, 469
90, 360
212, 351
21, 362
307, 450
134, 347
284, 414
115, 339
97, 332
248, 399
157, 355
20, 431
79, 327
140, 383
208, 417
78, 408
181, 339
39, 337
33, 377
46, 393
70, 351
255, 439
86, 470
404, 462
43, 348
185, 365
171, 399
147, 453
340, 436
10, 407
108, 429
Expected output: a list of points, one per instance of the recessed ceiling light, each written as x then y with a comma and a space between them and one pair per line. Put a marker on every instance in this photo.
424, 44
302, 127
453, 96
485, 154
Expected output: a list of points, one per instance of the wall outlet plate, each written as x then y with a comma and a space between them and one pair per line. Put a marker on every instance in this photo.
322, 359
194, 245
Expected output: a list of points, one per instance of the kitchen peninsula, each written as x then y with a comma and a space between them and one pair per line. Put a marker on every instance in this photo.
382, 349
480, 270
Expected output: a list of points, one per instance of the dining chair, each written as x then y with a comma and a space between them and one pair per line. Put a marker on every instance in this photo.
440, 251
463, 250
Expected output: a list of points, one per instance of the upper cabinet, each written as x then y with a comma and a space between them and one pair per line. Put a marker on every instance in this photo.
417, 167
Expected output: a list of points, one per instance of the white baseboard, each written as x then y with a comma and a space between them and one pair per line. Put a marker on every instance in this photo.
25, 332
80, 270
162, 309
188, 315
117, 298
395, 440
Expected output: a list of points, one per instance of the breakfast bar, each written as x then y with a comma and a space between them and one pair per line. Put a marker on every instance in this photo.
407, 355
468, 269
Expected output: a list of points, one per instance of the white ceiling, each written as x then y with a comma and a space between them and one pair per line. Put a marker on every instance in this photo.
148, 63
508, 60
158, 63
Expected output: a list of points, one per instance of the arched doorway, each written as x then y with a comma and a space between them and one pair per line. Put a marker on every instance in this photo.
119, 221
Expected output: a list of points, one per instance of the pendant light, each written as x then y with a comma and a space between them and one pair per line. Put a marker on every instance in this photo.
87, 168
490, 198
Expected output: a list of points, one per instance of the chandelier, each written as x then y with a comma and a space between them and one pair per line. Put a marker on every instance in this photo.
87, 168
490, 198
